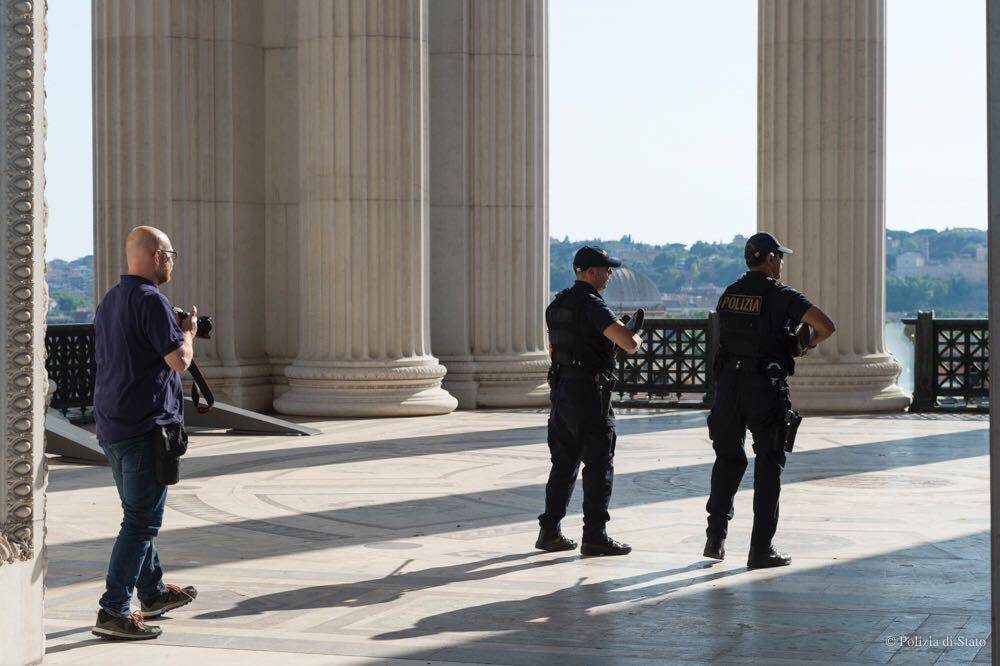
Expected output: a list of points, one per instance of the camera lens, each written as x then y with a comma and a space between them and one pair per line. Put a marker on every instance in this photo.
205, 327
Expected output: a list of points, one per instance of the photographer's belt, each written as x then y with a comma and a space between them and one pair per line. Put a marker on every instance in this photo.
199, 388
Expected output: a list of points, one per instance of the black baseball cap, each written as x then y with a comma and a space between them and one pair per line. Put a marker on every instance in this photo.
760, 245
590, 256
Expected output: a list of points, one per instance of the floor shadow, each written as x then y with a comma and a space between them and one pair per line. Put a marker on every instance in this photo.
844, 612
210, 464
66, 632
490, 509
574, 605
65, 647
387, 589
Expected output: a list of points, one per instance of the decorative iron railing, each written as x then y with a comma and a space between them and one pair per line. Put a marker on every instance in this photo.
675, 361
951, 363
70, 365
673, 367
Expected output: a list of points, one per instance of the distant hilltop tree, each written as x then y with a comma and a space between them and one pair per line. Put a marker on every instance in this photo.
675, 267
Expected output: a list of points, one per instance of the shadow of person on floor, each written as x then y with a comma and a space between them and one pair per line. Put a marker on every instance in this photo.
384, 590
546, 617
828, 611
65, 647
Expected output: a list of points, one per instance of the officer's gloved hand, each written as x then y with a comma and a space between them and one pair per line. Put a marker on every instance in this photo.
802, 338
635, 323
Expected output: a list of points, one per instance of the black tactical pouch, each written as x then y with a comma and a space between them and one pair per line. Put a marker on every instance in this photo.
169, 444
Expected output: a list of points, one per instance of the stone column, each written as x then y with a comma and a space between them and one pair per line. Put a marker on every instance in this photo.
820, 180
364, 337
22, 410
178, 144
489, 206
281, 185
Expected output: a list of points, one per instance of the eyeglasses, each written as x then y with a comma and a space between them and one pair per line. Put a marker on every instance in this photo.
172, 254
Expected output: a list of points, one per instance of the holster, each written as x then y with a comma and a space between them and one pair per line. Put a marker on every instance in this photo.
606, 382
553, 376
792, 421
169, 444
785, 433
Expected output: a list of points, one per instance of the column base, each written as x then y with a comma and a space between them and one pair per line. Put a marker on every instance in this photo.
856, 384
365, 388
513, 381
500, 382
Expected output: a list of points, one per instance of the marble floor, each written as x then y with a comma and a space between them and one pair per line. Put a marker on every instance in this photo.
410, 540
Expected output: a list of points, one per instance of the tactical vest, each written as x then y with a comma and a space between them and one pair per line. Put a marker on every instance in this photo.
744, 320
562, 318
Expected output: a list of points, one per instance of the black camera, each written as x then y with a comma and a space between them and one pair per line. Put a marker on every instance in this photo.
204, 323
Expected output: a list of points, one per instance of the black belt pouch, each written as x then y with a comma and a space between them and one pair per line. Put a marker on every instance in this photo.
170, 443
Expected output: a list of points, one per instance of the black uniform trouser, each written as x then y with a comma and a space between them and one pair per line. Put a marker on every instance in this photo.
744, 399
579, 432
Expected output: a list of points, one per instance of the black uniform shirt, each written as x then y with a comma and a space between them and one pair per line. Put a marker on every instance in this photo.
595, 316
784, 310
787, 305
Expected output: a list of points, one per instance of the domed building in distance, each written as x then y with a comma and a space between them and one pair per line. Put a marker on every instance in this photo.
629, 290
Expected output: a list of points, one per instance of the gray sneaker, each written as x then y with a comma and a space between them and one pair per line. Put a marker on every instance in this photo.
172, 597
128, 628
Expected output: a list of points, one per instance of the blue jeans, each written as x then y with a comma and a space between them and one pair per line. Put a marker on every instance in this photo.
134, 563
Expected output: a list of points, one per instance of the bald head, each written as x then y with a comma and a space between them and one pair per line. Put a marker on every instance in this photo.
141, 253
143, 241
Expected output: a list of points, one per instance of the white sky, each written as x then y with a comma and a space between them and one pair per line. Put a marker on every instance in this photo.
652, 119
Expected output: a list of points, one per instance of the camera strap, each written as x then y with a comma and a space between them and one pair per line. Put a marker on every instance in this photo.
199, 388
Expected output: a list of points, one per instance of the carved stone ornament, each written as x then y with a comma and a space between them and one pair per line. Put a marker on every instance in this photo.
20, 212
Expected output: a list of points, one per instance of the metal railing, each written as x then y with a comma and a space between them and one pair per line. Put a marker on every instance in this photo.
675, 361
70, 364
951, 363
673, 367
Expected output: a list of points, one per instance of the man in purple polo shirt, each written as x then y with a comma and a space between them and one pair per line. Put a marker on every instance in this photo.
140, 349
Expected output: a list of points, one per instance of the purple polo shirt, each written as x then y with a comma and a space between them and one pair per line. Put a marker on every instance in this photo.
134, 389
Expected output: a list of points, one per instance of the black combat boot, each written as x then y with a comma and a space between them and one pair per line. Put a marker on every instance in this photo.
765, 558
603, 545
552, 540
715, 548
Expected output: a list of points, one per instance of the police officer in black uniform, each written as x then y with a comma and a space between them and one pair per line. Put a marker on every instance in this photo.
757, 317
583, 333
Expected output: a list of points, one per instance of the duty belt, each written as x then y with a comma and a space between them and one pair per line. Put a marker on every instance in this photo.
604, 381
744, 364
579, 372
